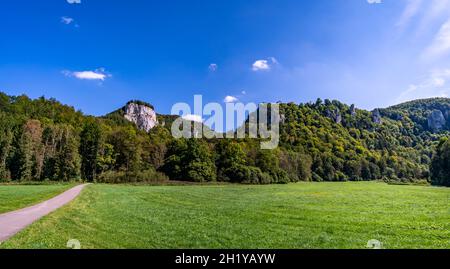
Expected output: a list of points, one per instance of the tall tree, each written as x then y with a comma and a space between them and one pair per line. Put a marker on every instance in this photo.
127, 148
440, 168
6, 139
190, 160
90, 139
68, 160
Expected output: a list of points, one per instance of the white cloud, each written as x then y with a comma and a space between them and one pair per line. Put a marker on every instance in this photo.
264, 65
213, 67
440, 45
191, 117
244, 92
74, 1
230, 99
261, 65
89, 75
273, 60
98, 74
374, 1
67, 20
433, 85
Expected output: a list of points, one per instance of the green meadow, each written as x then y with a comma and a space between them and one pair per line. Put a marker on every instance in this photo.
299, 216
14, 197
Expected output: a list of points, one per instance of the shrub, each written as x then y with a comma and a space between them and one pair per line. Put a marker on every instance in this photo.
190, 160
201, 172
246, 174
146, 176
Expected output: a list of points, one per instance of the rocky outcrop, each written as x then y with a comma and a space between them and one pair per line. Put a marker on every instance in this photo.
352, 110
447, 114
335, 115
376, 116
142, 115
436, 121
283, 118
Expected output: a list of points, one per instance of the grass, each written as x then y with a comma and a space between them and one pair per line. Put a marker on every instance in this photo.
304, 215
14, 197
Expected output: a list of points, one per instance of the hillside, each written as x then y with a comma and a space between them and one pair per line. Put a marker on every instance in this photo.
425, 115
323, 141
349, 143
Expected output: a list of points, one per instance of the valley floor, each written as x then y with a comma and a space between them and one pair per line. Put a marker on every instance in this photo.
13, 197
303, 215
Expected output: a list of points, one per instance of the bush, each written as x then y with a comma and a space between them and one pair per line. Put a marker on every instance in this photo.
190, 160
246, 174
201, 172
297, 166
316, 177
146, 176
280, 176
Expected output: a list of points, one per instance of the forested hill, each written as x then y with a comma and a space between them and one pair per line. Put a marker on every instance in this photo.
426, 115
43, 139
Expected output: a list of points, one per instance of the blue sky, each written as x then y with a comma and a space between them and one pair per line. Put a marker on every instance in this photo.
98, 54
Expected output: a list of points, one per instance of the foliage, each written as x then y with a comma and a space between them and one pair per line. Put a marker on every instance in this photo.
322, 141
191, 160
440, 168
89, 149
146, 176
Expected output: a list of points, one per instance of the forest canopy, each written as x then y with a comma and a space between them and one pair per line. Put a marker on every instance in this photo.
42, 139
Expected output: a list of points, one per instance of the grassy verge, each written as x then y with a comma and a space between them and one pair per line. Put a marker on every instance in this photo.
14, 196
304, 215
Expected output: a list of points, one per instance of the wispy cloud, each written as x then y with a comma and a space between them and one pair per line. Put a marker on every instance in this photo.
374, 1
410, 11
434, 84
213, 67
67, 20
74, 1
98, 74
435, 11
424, 14
440, 45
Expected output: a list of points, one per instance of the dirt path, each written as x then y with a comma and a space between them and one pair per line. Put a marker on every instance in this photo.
13, 222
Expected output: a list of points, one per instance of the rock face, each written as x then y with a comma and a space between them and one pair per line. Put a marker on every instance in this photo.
447, 114
335, 115
376, 116
143, 116
436, 121
353, 110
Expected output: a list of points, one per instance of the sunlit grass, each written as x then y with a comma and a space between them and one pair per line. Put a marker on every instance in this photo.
14, 197
304, 215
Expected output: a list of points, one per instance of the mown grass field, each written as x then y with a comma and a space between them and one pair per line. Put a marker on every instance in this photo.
304, 215
14, 197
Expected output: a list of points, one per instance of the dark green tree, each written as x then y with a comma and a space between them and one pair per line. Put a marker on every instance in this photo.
191, 160
440, 167
90, 139
67, 164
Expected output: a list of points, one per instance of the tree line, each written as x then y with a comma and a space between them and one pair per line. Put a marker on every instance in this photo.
327, 140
